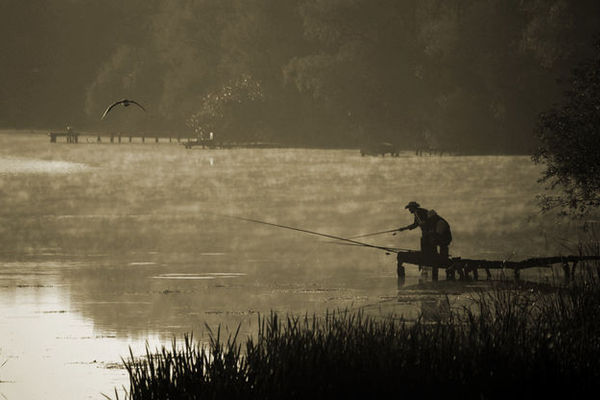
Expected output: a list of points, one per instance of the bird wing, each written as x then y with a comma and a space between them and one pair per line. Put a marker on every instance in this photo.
137, 104
110, 108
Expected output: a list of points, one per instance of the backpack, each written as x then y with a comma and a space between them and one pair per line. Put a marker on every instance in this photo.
441, 228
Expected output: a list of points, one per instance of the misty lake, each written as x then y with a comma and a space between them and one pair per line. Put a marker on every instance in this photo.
104, 247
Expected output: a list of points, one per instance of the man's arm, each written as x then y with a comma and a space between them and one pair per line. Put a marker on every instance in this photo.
409, 227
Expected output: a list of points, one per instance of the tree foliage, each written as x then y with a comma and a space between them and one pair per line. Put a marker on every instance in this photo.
570, 142
467, 75
225, 111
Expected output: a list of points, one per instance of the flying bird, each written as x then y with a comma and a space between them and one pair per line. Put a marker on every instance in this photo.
125, 103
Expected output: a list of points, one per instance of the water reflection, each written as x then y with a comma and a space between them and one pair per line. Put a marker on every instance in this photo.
102, 247
65, 324
208, 275
433, 300
14, 165
435, 309
51, 351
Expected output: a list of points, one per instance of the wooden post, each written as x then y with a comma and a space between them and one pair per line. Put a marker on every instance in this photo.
462, 271
400, 270
143, 139
401, 281
567, 271
450, 273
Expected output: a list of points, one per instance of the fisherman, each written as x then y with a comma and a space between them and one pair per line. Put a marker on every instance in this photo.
435, 231
438, 233
420, 220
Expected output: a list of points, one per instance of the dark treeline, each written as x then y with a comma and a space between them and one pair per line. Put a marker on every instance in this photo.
467, 75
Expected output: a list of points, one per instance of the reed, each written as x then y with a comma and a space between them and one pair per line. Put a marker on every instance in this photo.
510, 341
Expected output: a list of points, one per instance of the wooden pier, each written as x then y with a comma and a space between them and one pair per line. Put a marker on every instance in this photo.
71, 137
187, 142
213, 144
120, 138
465, 266
203, 143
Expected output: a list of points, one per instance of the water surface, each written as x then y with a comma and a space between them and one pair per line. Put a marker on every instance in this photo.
107, 246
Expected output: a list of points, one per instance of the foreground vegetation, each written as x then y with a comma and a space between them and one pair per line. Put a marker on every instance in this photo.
512, 341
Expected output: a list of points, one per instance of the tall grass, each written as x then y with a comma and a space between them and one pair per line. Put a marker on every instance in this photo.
510, 341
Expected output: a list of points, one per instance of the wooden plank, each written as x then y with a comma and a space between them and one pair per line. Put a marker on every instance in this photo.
435, 260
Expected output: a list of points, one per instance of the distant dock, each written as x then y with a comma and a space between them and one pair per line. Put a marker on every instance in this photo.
72, 137
213, 144
187, 142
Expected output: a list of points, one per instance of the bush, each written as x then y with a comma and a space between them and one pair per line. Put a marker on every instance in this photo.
570, 142
510, 342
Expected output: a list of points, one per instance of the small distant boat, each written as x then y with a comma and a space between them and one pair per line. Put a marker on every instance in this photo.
379, 149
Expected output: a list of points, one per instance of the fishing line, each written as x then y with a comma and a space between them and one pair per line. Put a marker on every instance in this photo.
359, 245
388, 249
373, 234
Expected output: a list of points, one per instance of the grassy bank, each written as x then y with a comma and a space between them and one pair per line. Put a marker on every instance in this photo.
512, 341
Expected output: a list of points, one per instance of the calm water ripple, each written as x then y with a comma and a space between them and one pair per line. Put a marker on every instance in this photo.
109, 246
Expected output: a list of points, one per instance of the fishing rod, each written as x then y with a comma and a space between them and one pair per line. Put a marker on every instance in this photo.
388, 249
360, 245
374, 233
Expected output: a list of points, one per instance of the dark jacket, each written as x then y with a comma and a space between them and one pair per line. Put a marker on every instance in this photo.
433, 227
420, 220
439, 229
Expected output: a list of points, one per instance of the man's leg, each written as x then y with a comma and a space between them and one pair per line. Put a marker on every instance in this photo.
429, 251
423, 251
445, 254
444, 251
434, 268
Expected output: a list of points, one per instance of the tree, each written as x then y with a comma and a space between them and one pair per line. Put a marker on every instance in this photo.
570, 143
225, 111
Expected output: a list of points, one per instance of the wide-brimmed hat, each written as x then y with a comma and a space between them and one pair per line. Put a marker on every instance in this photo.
412, 204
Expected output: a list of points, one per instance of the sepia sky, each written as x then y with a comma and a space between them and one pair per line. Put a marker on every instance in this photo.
468, 75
